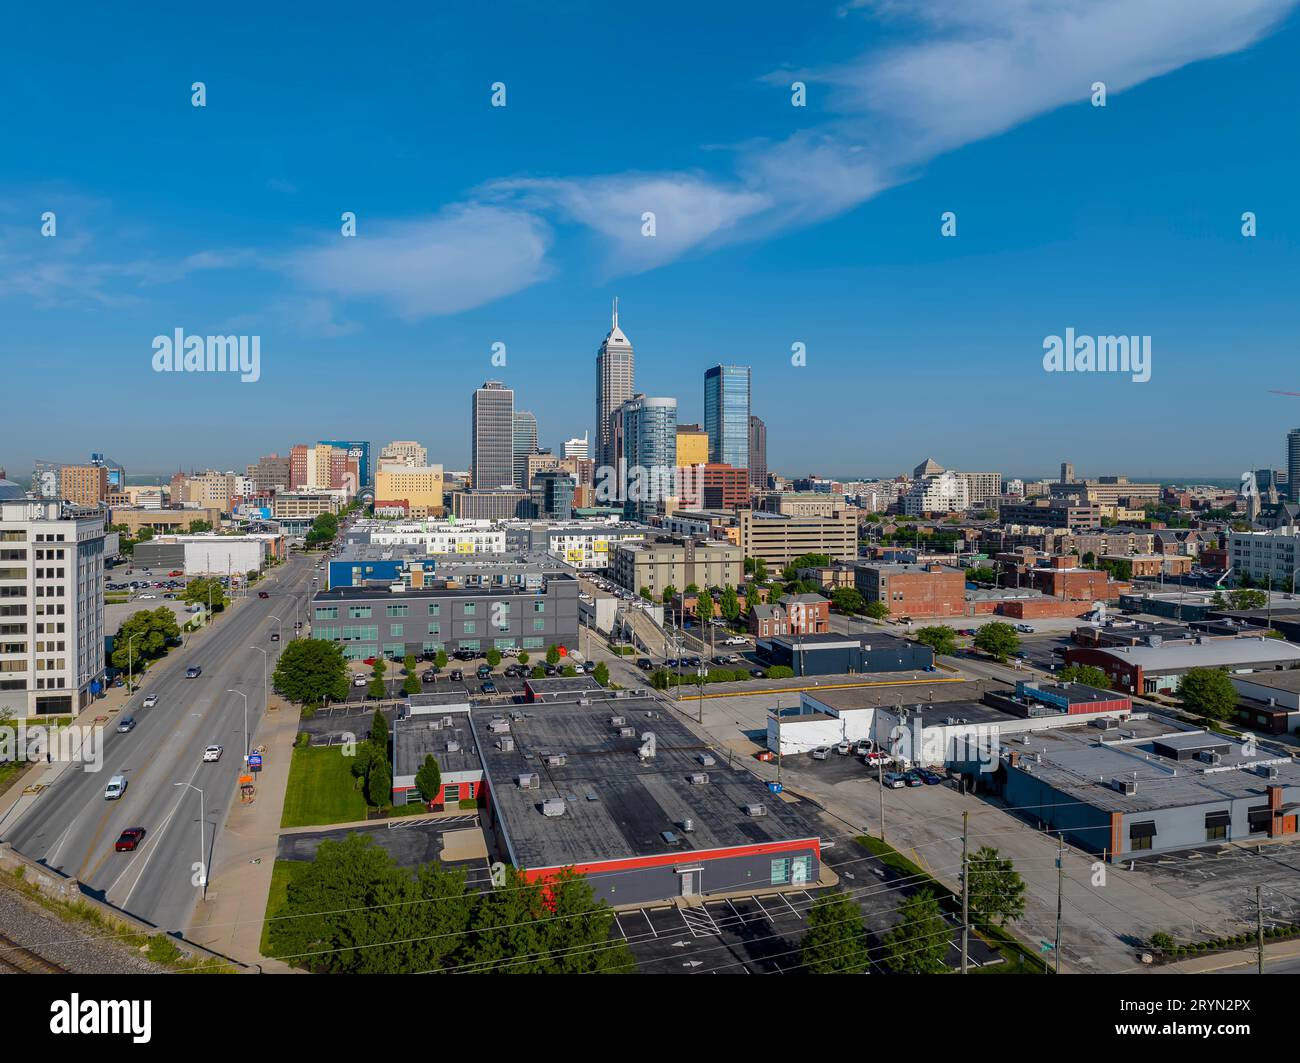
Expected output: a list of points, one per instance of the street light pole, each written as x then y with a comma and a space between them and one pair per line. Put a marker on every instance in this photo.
279, 628
245, 697
130, 663
203, 864
266, 694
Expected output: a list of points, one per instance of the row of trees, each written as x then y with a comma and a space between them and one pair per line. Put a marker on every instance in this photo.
354, 911
371, 766
323, 530
836, 941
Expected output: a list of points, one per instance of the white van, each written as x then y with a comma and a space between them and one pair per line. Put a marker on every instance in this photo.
116, 788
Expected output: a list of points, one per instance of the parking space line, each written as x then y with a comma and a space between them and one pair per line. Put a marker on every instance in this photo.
647, 919
791, 906
762, 909
620, 927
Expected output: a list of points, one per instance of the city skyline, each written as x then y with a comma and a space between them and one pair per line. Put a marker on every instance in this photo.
751, 254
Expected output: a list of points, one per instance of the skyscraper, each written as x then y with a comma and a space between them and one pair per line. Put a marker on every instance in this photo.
1293, 465
615, 372
492, 438
726, 414
525, 443
649, 436
757, 453
577, 448
359, 450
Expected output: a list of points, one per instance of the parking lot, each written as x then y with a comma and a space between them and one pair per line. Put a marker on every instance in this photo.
761, 933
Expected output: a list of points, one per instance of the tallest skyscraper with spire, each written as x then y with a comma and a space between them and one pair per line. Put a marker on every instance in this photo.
615, 374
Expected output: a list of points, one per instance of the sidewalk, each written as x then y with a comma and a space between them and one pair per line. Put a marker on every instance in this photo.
1221, 961
230, 920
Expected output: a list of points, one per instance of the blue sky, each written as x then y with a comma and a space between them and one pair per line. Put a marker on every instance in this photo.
775, 224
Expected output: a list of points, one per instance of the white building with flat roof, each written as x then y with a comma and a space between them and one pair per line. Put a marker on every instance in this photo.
51, 604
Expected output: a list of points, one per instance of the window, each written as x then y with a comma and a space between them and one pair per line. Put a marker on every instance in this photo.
539, 625
533, 644
1216, 825
396, 631
397, 610
359, 612
1140, 835
327, 612
470, 627
471, 608
781, 871
1260, 819
435, 609
435, 629
539, 607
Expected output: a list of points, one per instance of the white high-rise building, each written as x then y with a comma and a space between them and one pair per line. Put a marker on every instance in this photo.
945, 493
615, 373
577, 448
492, 436
51, 604
404, 452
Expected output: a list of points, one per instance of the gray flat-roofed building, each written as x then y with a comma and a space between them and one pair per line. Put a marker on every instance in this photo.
445, 733
628, 796
830, 654
400, 621
558, 688
1141, 788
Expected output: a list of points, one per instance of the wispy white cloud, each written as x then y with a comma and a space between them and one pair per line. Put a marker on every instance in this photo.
456, 260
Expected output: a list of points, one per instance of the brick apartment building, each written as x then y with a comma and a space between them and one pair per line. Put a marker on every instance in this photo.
914, 590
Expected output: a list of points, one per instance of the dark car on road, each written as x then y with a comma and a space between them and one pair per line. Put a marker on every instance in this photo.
193, 672
129, 840
263, 594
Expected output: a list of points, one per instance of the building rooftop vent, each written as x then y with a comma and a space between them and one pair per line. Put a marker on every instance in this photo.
453, 747
756, 810
1124, 785
530, 781
706, 759
505, 743
556, 760
553, 806
699, 778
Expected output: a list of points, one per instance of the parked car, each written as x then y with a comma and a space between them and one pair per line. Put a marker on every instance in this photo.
843, 748
193, 672
129, 840
150, 701
589, 666
876, 758
176, 572
551, 671
212, 754
821, 753
457, 676
263, 594
488, 687
1028, 629
913, 777
863, 746
116, 788
484, 671
428, 677
757, 673
930, 778
359, 680
644, 663
735, 640
894, 780
126, 725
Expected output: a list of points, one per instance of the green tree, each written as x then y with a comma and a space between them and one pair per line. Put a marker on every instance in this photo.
996, 890
876, 610
1248, 599
1089, 559
997, 639
847, 600
411, 684
779, 671
670, 592
940, 638
379, 783
143, 636
377, 670
203, 589
1087, 674
568, 671
659, 679
760, 570
379, 732
918, 942
982, 574
428, 779
1218, 601
836, 940
352, 910
645, 593
730, 604
198, 527
554, 926
523, 657
692, 588
704, 607
538, 672
493, 657
1208, 692
552, 655
601, 673
310, 671
440, 659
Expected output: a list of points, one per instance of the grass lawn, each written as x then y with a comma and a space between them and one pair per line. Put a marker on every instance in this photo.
321, 789
284, 872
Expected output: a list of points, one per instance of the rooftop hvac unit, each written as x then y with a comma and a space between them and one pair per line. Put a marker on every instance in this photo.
756, 810
556, 760
1268, 771
530, 781
447, 721
648, 743
688, 825
1125, 786
584, 701
435, 725
498, 726
1208, 756
706, 759
617, 721
699, 778
1104, 723
553, 806
627, 732
453, 747
505, 743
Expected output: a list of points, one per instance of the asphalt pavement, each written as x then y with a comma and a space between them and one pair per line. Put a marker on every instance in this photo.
72, 829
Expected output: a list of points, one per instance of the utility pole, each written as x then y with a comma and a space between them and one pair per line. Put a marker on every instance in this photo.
1060, 892
1259, 930
778, 739
880, 778
965, 890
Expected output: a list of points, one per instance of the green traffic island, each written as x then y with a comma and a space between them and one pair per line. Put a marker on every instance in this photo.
1017, 957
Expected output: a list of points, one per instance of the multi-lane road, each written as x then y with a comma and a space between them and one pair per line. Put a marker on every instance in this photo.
72, 828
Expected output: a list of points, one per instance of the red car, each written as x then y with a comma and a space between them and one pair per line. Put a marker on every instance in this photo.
369, 660
263, 594
176, 572
130, 840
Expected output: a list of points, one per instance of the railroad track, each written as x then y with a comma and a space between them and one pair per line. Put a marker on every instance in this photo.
15, 958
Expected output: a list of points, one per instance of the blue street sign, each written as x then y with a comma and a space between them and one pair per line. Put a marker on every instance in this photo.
255, 761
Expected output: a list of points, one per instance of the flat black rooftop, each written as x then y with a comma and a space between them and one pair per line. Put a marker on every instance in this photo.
417, 736
617, 806
563, 685
1075, 693
432, 590
456, 698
